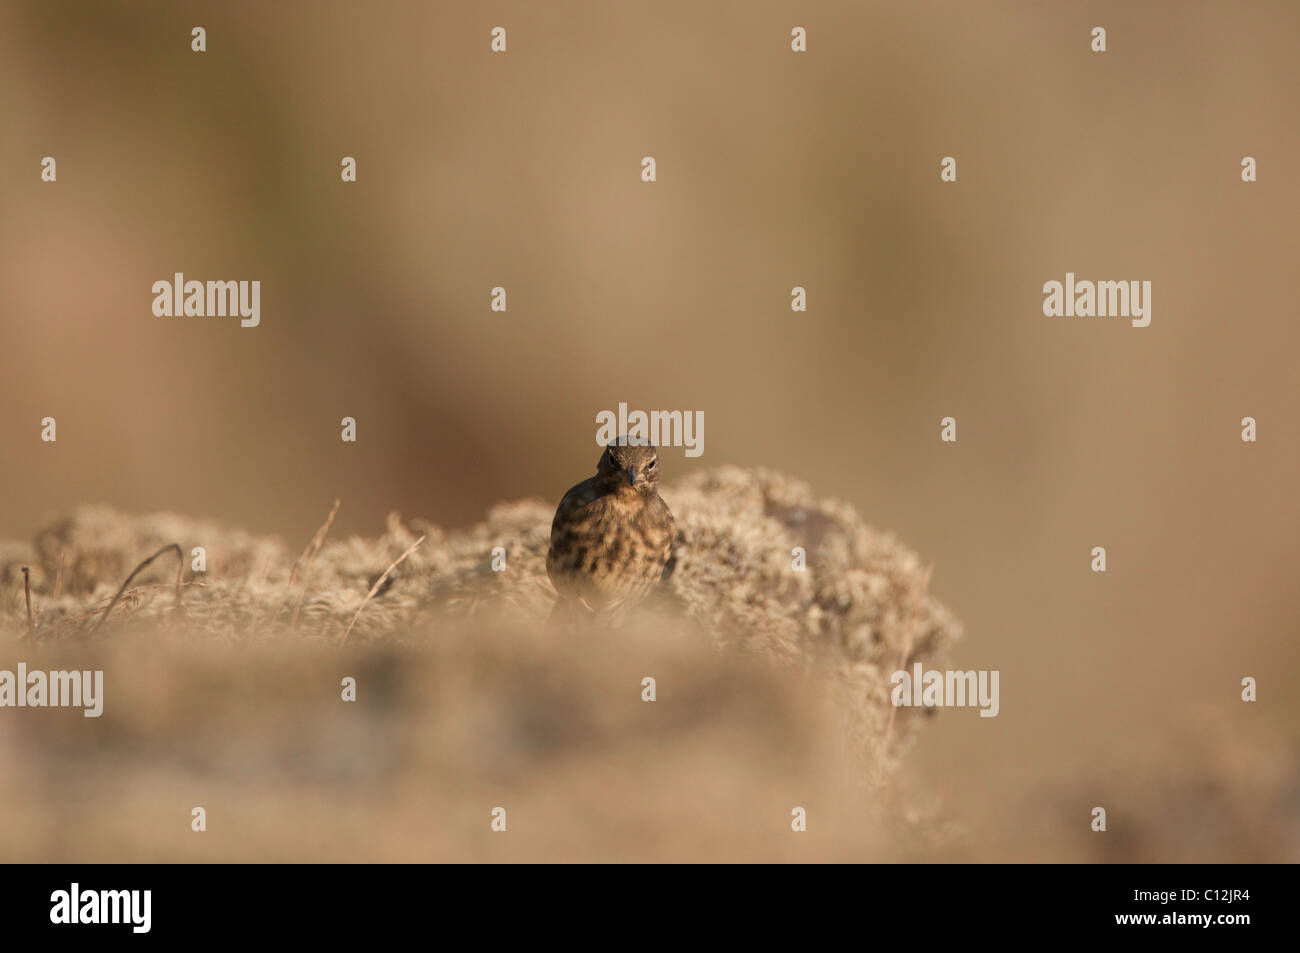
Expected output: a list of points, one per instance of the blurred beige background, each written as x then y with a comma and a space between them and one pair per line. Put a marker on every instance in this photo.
775, 170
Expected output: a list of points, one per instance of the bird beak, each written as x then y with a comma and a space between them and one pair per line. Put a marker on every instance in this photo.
631, 476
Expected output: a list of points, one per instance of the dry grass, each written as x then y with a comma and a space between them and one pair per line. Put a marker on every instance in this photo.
772, 690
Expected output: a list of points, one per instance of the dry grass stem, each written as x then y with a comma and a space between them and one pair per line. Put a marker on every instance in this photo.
27, 589
180, 568
307, 558
375, 588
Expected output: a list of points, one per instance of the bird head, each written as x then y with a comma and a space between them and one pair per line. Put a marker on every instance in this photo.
629, 466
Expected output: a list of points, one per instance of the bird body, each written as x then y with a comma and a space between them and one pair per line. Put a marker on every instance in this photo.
612, 536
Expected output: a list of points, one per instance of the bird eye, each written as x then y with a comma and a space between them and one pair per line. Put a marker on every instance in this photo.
653, 464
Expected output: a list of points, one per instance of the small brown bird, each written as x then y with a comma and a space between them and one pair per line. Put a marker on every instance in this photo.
612, 536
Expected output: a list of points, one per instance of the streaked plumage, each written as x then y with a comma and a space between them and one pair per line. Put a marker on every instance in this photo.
612, 536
